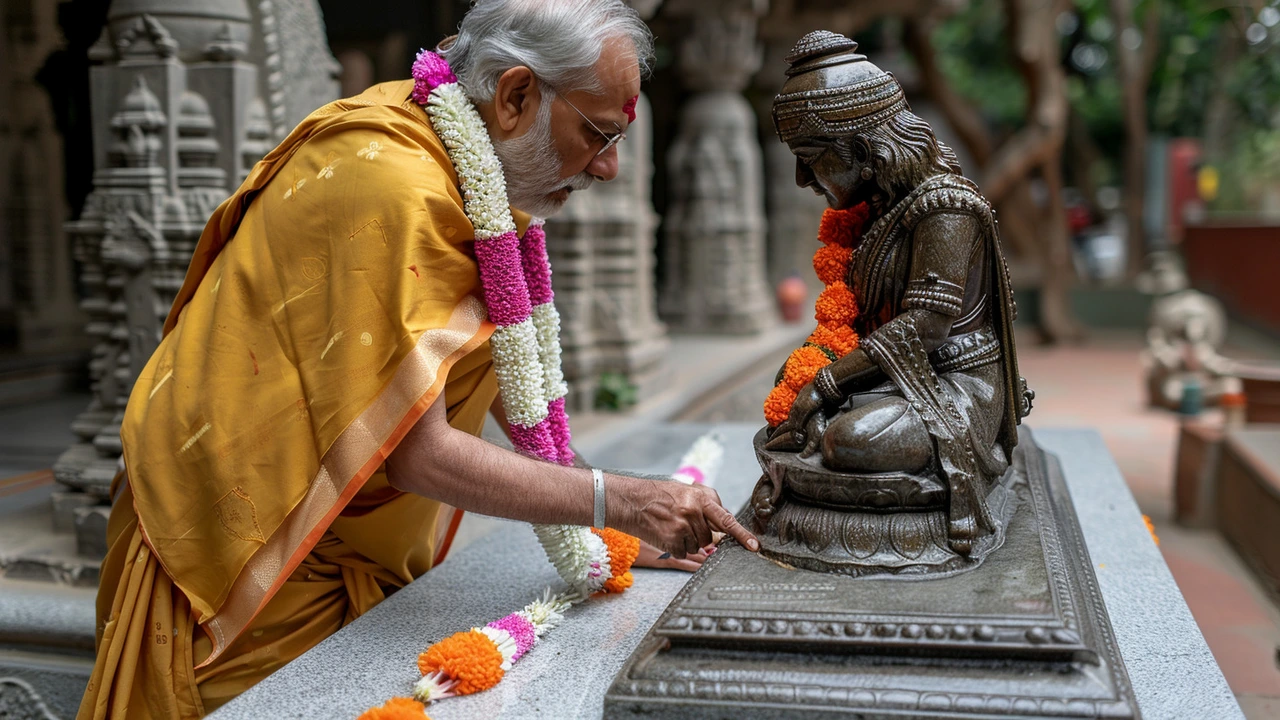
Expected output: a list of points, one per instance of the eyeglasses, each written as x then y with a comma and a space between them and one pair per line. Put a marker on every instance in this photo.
609, 141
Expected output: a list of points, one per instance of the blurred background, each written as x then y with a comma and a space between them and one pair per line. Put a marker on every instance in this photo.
1131, 147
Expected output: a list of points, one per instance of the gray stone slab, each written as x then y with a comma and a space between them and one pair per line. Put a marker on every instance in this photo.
1173, 672
565, 677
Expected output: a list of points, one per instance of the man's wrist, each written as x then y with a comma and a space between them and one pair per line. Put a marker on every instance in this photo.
598, 505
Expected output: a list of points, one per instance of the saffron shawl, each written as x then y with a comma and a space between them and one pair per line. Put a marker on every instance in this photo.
326, 303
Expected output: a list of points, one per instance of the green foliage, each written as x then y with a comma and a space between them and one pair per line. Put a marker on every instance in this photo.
973, 52
1190, 70
1249, 171
615, 392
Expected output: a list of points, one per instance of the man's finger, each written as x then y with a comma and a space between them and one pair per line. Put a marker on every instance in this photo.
686, 564
723, 520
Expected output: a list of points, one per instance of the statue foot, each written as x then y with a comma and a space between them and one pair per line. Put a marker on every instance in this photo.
961, 532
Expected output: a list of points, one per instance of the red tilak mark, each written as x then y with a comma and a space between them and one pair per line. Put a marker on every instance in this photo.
414, 268
254, 358
629, 107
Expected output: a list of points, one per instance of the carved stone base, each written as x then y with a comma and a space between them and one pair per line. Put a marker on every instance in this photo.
1024, 634
814, 524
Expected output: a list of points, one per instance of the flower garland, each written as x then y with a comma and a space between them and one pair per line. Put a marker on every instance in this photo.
516, 277
835, 311
477, 659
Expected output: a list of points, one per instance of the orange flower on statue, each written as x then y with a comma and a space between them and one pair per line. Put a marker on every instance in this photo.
836, 305
839, 339
469, 657
400, 708
804, 363
842, 227
778, 405
831, 262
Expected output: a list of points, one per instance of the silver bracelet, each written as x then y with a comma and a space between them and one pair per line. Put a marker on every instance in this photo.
598, 520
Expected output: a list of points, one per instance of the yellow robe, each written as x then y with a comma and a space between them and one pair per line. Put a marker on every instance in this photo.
328, 304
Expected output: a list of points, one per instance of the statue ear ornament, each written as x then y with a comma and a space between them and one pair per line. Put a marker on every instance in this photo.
867, 172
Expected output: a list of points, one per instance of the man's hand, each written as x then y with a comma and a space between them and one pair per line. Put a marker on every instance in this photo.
652, 557
674, 517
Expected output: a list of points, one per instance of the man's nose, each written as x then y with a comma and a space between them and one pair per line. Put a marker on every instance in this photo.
604, 167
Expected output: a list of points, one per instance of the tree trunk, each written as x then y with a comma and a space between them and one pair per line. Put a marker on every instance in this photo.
1038, 235
1135, 66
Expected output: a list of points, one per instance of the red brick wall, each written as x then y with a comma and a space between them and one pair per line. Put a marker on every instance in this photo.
1240, 265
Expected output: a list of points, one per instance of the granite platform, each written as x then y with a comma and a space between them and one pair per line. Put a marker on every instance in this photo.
565, 677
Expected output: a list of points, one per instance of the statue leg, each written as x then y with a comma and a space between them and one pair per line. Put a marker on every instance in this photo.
883, 435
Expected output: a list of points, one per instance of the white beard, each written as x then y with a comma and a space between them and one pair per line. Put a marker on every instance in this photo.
532, 168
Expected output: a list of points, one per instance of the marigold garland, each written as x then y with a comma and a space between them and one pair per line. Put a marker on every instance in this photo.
471, 658
831, 262
623, 551
835, 310
399, 708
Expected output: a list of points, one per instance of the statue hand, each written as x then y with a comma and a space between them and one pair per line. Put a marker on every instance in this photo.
793, 434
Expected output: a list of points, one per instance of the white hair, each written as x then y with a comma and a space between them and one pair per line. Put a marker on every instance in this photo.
558, 40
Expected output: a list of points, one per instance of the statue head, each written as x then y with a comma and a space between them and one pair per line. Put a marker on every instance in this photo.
849, 126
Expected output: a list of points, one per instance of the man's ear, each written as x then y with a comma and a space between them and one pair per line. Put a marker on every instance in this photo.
516, 96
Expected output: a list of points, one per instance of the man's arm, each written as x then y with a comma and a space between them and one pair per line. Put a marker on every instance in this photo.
437, 461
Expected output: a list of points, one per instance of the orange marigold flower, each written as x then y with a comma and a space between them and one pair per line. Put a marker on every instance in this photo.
623, 551
400, 708
842, 227
778, 405
804, 363
468, 657
619, 583
831, 262
836, 305
839, 339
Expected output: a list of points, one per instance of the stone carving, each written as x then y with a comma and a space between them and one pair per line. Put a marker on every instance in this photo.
714, 275
181, 113
901, 460
301, 73
1185, 330
936, 367
20, 701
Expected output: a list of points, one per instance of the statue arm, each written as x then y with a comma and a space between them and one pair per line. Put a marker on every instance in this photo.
942, 251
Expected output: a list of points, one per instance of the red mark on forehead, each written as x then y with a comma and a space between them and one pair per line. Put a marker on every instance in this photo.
629, 107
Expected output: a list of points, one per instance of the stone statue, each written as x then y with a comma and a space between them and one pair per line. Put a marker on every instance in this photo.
922, 416
1185, 330
919, 553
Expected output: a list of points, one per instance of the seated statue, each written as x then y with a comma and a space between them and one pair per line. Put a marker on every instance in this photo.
906, 438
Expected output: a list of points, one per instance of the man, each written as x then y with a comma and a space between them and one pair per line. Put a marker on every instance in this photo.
296, 447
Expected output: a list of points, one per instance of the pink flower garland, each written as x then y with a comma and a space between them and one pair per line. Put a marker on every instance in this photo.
516, 277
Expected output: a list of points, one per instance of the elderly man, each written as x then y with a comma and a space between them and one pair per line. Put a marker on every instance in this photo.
305, 437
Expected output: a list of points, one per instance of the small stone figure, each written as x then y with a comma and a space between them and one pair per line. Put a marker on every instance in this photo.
1185, 329
892, 458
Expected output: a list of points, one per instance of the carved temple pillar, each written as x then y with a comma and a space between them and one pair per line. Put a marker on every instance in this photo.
601, 248
793, 212
714, 242
186, 96
570, 236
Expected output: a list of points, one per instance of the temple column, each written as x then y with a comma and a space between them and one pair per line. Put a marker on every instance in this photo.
183, 103
629, 339
570, 237
793, 212
714, 242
